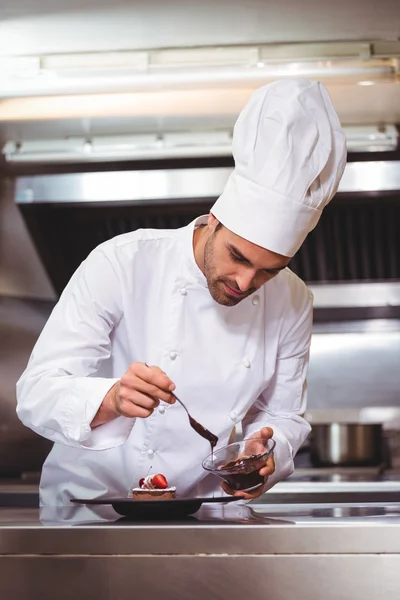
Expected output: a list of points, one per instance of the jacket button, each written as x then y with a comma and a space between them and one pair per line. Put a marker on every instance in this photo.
161, 410
150, 453
183, 292
246, 363
173, 355
233, 416
255, 300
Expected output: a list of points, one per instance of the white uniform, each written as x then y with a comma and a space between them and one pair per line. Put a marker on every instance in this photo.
141, 297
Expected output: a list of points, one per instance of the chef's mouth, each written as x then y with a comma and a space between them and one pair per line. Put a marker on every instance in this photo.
234, 292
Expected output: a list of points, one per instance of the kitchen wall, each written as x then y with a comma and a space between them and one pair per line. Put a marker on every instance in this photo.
355, 366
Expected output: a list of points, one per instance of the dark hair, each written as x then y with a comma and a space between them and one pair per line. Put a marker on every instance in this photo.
218, 226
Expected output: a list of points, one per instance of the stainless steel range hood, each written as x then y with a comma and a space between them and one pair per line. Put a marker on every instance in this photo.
356, 240
177, 185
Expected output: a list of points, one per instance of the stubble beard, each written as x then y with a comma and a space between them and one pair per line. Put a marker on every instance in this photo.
215, 284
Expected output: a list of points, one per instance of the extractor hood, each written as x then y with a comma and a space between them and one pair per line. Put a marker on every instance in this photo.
69, 214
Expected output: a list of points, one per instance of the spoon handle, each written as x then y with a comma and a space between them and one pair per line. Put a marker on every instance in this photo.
180, 402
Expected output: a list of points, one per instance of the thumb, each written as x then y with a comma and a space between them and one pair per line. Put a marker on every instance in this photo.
267, 432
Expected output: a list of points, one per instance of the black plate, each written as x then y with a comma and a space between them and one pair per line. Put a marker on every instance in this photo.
164, 509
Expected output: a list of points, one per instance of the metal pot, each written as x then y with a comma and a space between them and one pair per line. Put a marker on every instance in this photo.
345, 444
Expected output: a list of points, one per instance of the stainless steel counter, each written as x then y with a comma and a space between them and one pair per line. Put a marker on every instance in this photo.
234, 551
331, 534
215, 529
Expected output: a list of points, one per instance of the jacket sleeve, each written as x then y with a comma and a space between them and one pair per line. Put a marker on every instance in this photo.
283, 402
60, 391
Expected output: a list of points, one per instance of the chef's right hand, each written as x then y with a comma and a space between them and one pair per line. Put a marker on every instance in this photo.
141, 389
137, 394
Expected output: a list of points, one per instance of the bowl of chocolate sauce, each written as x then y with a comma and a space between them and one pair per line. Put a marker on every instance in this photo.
239, 463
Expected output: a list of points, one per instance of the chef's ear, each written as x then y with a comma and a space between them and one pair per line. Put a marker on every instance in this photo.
212, 222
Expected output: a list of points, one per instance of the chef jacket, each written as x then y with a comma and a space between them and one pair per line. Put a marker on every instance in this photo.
140, 297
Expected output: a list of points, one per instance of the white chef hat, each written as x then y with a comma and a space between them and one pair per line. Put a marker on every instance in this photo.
290, 154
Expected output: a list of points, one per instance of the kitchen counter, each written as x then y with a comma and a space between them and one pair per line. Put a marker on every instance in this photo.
241, 528
305, 551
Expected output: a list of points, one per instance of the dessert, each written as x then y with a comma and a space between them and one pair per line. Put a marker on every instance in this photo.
153, 487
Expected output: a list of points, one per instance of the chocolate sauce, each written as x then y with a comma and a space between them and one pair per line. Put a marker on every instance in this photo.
246, 475
201, 430
239, 462
243, 481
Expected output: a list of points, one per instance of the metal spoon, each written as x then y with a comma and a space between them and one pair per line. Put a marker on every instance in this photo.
200, 429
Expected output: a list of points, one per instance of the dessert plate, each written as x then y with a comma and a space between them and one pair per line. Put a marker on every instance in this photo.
155, 509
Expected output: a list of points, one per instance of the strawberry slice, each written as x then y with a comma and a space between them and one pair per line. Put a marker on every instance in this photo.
141, 482
159, 481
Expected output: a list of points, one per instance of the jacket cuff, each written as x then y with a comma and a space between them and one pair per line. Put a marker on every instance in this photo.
80, 413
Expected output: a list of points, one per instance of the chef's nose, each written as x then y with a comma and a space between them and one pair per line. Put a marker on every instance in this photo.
245, 279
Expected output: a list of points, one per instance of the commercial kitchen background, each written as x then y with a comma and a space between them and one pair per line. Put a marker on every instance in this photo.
117, 117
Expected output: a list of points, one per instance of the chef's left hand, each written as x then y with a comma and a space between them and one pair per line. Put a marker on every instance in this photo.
267, 470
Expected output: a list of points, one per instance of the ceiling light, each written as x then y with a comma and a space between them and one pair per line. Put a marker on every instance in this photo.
192, 68
62, 83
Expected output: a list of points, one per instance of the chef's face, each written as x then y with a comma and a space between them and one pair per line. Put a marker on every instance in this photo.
235, 268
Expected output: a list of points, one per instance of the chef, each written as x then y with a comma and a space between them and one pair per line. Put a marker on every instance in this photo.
210, 311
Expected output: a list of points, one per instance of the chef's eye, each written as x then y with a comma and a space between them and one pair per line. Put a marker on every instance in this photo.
236, 258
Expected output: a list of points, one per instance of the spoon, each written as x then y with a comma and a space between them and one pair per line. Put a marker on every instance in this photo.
200, 429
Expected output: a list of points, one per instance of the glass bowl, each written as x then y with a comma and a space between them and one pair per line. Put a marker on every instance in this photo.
239, 463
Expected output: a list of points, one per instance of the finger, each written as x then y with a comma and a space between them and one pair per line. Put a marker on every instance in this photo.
245, 495
266, 472
132, 411
153, 375
131, 394
267, 432
269, 468
254, 493
242, 494
257, 493
228, 490
130, 382
271, 461
143, 400
161, 380
126, 407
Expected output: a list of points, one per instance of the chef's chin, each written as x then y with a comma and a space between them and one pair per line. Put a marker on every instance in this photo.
218, 294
